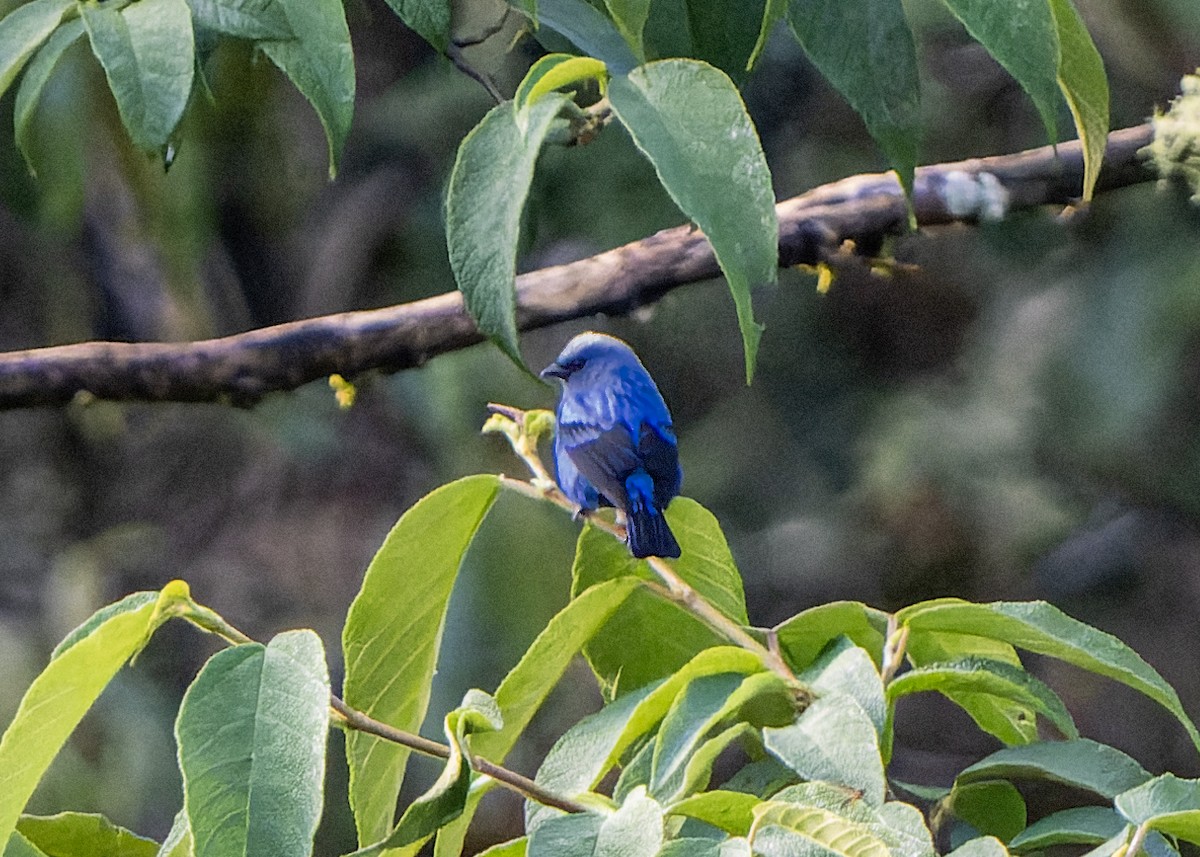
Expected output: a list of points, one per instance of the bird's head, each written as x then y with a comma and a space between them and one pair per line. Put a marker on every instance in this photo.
590, 354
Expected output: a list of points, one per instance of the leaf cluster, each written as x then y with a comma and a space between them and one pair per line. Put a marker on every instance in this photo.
802, 715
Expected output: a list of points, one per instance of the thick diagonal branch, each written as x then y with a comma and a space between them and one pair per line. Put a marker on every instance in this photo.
245, 367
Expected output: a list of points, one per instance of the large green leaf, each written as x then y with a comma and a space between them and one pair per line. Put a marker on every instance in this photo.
899, 825
649, 637
243, 19
1021, 35
865, 49
829, 831
846, 668
1167, 804
392, 634
83, 834
833, 740
319, 61
725, 32
34, 81
252, 730
446, 798
732, 812
66, 689
527, 684
1082, 763
147, 50
430, 19
689, 120
1079, 825
1084, 84
634, 830
488, 186
1042, 628
992, 807
22, 30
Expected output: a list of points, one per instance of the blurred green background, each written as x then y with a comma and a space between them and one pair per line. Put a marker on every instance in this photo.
1018, 416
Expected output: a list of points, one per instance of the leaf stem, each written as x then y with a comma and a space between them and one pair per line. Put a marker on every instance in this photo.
212, 622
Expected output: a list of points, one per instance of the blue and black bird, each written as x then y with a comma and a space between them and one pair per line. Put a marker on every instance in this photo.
614, 445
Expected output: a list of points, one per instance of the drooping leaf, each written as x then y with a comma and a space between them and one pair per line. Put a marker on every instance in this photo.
83, 834
65, 690
488, 186
22, 31
429, 19
392, 634
34, 81
1082, 763
147, 50
319, 61
588, 29
252, 730
689, 120
446, 798
833, 740
242, 19
648, 638
1020, 35
865, 49
1084, 84
1042, 628
983, 676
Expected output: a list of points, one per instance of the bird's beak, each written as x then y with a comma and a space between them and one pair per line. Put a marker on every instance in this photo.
553, 371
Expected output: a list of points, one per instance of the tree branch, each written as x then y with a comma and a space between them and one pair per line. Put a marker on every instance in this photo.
243, 368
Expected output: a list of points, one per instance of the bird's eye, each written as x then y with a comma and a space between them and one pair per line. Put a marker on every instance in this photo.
573, 366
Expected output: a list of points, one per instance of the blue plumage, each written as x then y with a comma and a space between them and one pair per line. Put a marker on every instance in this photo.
614, 445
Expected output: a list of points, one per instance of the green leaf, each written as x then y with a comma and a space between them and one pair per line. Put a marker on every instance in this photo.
179, 839
513, 848
66, 689
1020, 35
1081, 763
845, 668
773, 13
821, 827
983, 846
429, 19
689, 120
392, 634
634, 830
19, 846
34, 81
865, 49
833, 740
320, 63
445, 799
993, 807
666, 636
555, 71
1084, 84
803, 637
82, 834
242, 19
488, 186
565, 836
1042, 628
900, 825
732, 812
526, 686
147, 50
252, 730
22, 30
725, 32
1011, 722
697, 774
589, 30
1167, 804
1080, 825
995, 678
630, 18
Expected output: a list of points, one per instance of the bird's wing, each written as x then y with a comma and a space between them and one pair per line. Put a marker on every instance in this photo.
657, 450
605, 458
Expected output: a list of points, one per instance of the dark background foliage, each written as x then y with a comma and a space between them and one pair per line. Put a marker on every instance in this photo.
1013, 417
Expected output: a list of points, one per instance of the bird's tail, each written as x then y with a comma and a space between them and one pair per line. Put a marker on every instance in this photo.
646, 525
